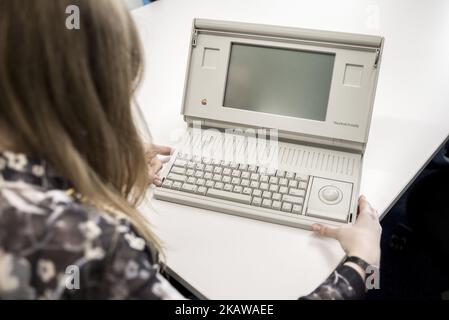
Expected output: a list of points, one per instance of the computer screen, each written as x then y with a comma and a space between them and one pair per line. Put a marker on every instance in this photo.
279, 81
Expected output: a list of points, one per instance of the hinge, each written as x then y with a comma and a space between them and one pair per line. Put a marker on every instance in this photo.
194, 37
376, 61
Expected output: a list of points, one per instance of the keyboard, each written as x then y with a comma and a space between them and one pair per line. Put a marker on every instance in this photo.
252, 191
241, 183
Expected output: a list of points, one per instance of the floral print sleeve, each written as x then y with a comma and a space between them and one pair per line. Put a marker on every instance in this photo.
345, 283
52, 247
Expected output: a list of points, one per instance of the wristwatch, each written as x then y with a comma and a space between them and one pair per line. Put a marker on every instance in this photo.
358, 261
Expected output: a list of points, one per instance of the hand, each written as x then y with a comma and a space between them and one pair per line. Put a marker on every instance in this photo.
154, 163
362, 239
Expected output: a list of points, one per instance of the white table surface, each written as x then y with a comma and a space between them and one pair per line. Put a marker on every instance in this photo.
226, 257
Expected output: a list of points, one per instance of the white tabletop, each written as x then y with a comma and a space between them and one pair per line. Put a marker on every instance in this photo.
227, 257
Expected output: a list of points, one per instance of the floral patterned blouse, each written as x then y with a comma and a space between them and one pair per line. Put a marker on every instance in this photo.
54, 247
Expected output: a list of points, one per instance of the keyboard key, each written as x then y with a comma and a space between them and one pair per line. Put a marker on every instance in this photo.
218, 170
262, 170
246, 175
274, 188
191, 180
217, 177
176, 177
167, 184
243, 167
297, 192
231, 196
209, 183
283, 190
227, 171
176, 185
238, 189
180, 163
200, 182
191, 165
189, 187
297, 209
178, 170
201, 190
286, 207
263, 186
264, 178
292, 199
255, 176
276, 205
247, 191
199, 166
244, 183
277, 196
199, 174
208, 176
235, 181
266, 203
228, 187
266, 194
293, 184
190, 172
254, 184
234, 165
208, 168
290, 175
271, 172
257, 201
252, 168
257, 193
280, 173
283, 182
226, 179
274, 180
302, 185
302, 177
219, 185
236, 173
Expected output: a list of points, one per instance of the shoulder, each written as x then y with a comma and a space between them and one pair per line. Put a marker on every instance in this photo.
42, 233
29, 214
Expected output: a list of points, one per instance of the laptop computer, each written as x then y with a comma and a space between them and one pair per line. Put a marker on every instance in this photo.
278, 121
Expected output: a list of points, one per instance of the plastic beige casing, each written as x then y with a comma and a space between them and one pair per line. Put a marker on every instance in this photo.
330, 151
357, 59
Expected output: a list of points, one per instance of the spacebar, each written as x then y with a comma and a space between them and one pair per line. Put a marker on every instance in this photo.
225, 195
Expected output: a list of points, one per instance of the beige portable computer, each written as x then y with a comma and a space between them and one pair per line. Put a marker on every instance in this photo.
278, 121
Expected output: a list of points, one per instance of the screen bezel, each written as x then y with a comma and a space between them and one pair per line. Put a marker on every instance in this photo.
349, 108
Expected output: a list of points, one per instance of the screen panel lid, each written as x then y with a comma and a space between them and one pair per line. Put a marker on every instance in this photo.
215, 60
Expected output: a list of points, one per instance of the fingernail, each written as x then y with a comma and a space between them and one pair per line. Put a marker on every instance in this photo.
316, 227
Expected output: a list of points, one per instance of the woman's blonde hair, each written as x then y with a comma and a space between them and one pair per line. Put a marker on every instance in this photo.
66, 95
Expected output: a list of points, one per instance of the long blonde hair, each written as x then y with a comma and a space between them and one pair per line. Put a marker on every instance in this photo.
67, 94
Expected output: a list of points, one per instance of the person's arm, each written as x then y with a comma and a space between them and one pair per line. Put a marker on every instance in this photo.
361, 240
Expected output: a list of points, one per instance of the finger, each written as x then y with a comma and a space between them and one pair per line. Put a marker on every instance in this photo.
326, 231
157, 181
156, 149
156, 165
165, 159
365, 208
363, 203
